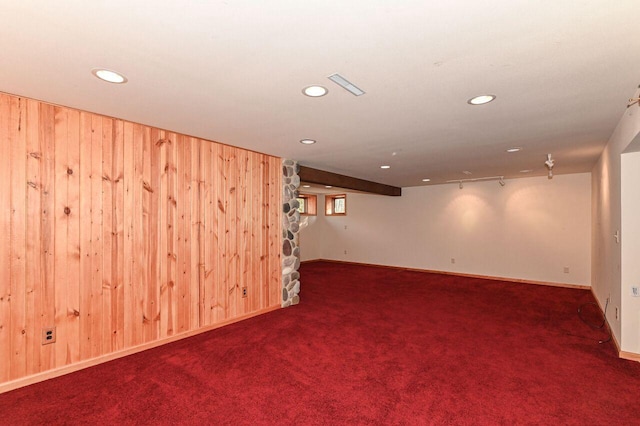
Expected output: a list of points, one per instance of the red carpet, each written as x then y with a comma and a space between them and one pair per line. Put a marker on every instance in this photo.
366, 346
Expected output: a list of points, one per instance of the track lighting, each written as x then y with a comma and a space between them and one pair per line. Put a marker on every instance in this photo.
460, 182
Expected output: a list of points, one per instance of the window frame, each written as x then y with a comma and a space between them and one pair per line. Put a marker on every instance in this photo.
330, 204
310, 204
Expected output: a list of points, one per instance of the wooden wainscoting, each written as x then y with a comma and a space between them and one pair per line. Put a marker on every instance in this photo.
120, 235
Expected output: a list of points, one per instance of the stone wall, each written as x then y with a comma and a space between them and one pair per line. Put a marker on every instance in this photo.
290, 230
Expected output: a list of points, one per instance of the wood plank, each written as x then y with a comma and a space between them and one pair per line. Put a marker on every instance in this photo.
128, 251
154, 235
5, 237
218, 231
84, 176
117, 262
48, 230
321, 177
108, 237
161, 143
183, 228
73, 236
197, 231
256, 231
140, 215
18, 184
264, 231
243, 218
61, 219
33, 237
208, 271
275, 233
233, 230
171, 229
97, 248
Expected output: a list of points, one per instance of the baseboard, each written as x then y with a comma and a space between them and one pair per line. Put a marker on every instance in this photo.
459, 274
50, 374
631, 356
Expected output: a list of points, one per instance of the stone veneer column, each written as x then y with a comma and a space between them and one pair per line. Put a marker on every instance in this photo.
290, 229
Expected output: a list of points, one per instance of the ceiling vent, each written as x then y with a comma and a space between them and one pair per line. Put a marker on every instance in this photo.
346, 84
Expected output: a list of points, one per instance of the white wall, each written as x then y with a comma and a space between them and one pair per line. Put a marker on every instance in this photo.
606, 211
630, 274
529, 229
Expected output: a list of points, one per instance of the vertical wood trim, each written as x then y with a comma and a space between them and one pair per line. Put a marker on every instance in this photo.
18, 266
117, 289
84, 176
196, 232
5, 238
33, 238
47, 279
140, 216
96, 237
128, 301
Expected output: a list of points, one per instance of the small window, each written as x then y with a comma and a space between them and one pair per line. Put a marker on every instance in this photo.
335, 205
307, 204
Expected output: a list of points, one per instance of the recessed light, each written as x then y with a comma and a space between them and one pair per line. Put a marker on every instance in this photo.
467, 172
306, 186
109, 76
315, 91
481, 100
328, 186
514, 149
307, 141
526, 171
385, 167
426, 180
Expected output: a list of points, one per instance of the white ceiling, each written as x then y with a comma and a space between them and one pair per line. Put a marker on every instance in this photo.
233, 71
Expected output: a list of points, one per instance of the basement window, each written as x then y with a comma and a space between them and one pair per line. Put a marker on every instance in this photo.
335, 205
308, 204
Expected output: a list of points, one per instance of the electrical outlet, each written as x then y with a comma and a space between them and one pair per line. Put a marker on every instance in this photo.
617, 314
345, 227
566, 269
453, 260
635, 291
244, 292
48, 335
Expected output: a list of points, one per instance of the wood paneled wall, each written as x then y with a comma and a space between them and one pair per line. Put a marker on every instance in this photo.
120, 234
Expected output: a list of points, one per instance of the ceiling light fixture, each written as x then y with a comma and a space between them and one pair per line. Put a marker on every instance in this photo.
481, 100
467, 172
315, 91
514, 149
346, 84
500, 180
328, 186
526, 171
426, 180
385, 167
306, 186
307, 141
109, 76
549, 164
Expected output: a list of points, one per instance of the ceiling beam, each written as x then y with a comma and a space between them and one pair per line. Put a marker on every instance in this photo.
309, 175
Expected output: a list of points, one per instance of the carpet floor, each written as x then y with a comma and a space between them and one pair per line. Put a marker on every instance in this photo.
366, 346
